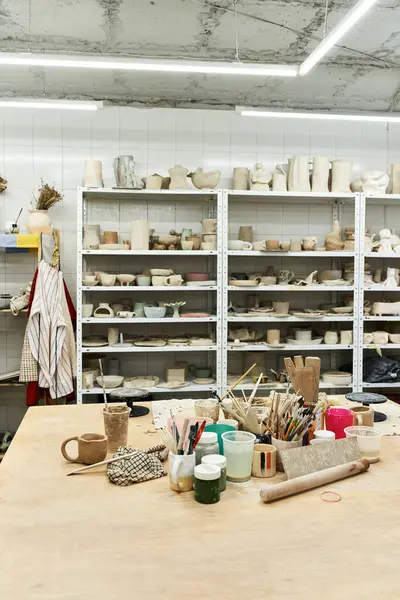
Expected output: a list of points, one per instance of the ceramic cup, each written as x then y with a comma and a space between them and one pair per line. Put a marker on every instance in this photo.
268, 280
143, 280
273, 244
246, 233
303, 335
92, 448
281, 307
173, 280
346, 337
207, 246
295, 246
273, 336
187, 245
337, 419
87, 380
264, 460
87, 310
239, 245
107, 279
157, 280
364, 415
324, 435
181, 471
116, 419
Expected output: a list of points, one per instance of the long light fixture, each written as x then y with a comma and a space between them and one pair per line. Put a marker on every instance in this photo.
375, 117
136, 64
334, 36
43, 103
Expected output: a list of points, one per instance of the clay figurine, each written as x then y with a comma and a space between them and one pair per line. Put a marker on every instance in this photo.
202, 180
333, 240
390, 281
178, 176
374, 182
385, 244
260, 178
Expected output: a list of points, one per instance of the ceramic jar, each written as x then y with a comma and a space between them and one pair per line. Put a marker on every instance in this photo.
178, 176
279, 182
93, 176
241, 178
346, 337
299, 176
320, 174
140, 232
331, 338
341, 175
103, 310
91, 237
124, 172
153, 182
38, 221
380, 337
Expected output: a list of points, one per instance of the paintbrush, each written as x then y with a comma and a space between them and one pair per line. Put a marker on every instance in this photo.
199, 434
102, 384
183, 436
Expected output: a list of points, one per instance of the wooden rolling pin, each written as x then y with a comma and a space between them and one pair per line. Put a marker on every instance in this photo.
313, 480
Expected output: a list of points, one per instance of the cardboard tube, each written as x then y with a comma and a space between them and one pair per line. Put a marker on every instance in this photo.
313, 480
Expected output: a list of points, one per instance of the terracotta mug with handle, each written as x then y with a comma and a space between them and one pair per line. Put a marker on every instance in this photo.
92, 448
364, 415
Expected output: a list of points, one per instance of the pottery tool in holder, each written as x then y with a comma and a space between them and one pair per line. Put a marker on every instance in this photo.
304, 376
232, 387
102, 384
290, 418
313, 480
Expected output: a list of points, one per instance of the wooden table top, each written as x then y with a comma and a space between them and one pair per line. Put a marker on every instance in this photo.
82, 538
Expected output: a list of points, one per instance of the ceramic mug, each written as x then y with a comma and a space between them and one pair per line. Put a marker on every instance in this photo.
138, 309
273, 244
364, 415
295, 246
285, 277
87, 310
158, 280
281, 307
268, 280
331, 338
187, 245
143, 280
92, 448
264, 460
239, 245
173, 280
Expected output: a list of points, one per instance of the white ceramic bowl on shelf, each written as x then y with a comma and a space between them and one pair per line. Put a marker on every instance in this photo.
110, 381
337, 378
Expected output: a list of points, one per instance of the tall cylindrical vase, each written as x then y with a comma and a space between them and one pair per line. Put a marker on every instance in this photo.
38, 221
299, 177
341, 176
320, 174
93, 176
241, 178
140, 233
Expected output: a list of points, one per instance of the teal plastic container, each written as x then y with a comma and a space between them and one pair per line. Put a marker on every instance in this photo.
219, 429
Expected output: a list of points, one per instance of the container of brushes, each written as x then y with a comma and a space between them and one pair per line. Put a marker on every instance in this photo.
181, 471
282, 445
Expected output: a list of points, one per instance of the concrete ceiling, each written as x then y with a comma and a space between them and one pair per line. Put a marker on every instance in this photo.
364, 73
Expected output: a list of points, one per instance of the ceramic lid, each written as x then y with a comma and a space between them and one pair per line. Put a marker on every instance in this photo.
207, 472
208, 437
214, 459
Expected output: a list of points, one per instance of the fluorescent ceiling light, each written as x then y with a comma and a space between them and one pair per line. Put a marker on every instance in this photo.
49, 104
334, 36
136, 64
318, 116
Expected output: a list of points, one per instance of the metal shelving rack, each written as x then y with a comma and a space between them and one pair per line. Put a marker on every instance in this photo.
212, 200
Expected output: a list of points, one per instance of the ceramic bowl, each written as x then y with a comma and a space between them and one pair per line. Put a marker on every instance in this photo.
155, 312
329, 275
337, 378
107, 280
197, 277
161, 272
394, 338
110, 381
89, 282
125, 278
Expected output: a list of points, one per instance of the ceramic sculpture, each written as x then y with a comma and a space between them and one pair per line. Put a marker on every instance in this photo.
178, 176
390, 281
153, 182
124, 172
202, 180
93, 174
299, 177
385, 308
241, 178
341, 176
260, 178
333, 240
385, 244
320, 174
374, 183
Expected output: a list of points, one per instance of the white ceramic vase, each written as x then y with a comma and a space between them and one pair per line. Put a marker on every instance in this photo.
91, 237
395, 178
279, 182
299, 177
124, 171
241, 178
93, 174
341, 176
331, 338
140, 232
320, 174
38, 221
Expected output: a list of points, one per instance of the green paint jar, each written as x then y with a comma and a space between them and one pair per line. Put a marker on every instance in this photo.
206, 484
218, 461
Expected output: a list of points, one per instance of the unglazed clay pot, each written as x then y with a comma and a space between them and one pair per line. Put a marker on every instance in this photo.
178, 175
341, 175
93, 174
38, 221
331, 338
241, 178
299, 178
140, 231
320, 174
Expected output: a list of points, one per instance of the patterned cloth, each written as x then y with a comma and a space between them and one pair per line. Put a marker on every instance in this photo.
29, 370
141, 465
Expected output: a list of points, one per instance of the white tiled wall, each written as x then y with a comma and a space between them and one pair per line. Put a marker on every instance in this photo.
54, 146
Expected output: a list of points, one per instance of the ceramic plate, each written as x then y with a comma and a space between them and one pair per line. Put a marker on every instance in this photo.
308, 315
172, 343
195, 315
151, 343
343, 310
313, 342
172, 385
94, 340
147, 381
203, 380
113, 247
335, 282
201, 283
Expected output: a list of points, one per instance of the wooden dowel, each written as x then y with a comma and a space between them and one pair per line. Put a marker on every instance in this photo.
103, 462
238, 381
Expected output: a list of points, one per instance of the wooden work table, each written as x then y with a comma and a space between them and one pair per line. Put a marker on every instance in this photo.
82, 538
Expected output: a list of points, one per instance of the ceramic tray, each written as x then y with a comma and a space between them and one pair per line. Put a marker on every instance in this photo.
172, 385
151, 343
93, 341
243, 283
202, 283
313, 342
146, 381
113, 247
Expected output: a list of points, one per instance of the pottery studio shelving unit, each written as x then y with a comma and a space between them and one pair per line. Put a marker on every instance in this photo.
284, 216
378, 212
114, 210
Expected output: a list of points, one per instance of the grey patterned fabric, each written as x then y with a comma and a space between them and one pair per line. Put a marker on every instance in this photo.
140, 465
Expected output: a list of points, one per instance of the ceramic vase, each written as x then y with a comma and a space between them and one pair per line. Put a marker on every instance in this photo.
299, 177
331, 338
246, 233
124, 172
93, 174
38, 221
241, 178
395, 177
279, 182
341, 176
91, 237
140, 232
320, 174
178, 175
153, 182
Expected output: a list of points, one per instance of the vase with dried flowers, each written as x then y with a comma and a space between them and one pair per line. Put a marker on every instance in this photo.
38, 219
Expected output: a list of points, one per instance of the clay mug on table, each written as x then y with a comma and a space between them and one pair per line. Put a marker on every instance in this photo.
363, 415
273, 244
309, 243
264, 460
92, 448
174, 280
158, 280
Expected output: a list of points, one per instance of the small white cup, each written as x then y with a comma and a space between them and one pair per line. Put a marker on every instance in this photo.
324, 434
87, 310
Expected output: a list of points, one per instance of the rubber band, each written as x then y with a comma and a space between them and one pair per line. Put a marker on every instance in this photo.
337, 499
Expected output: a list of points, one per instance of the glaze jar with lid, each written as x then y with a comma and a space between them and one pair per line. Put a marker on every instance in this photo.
219, 461
208, 444
206, 484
